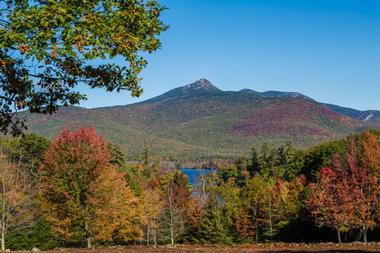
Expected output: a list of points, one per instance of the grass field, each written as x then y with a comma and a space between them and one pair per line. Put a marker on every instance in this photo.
281, 248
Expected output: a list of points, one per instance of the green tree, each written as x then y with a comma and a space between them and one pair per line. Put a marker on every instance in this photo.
39, 235
290, 161
117, 155
27, 151
254, 165
320, 156
214, 226
255, 196
50, 47
229, 194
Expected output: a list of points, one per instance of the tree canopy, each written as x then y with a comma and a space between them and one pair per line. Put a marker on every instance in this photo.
78, 185
49, 47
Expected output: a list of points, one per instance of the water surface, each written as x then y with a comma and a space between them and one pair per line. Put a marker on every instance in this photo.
193, 174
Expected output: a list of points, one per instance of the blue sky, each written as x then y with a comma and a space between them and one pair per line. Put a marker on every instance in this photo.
326, 49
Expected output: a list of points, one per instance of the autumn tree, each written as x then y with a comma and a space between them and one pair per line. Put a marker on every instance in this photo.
287, 200
331, 202
194, 214
176, 195
82, 194
371, 151
48, 48
115, 212
16, 194
153, 208
364, 188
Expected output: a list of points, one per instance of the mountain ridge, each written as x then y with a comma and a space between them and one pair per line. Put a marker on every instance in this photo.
200, 120
364, 115
180, 92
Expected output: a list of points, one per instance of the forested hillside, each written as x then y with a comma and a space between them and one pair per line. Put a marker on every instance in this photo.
201, 121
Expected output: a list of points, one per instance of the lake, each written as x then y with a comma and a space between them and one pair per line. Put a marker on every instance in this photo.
193, 174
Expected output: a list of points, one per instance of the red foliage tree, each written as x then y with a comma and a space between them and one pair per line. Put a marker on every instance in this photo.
348, 192
83, 195
330, 202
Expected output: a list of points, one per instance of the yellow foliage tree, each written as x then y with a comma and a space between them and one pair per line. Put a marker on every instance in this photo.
116, 212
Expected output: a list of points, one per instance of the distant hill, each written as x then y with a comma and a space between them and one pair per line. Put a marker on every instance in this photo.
199, 120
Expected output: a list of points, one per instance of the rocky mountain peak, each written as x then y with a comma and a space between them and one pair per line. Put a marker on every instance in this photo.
201, 84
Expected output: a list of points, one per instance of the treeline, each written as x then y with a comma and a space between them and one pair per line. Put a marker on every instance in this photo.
79, 190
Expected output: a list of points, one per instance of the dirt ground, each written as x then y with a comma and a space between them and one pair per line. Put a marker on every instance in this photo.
278, 248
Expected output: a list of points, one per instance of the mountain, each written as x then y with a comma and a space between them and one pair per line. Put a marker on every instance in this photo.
199, 120
198, 88
368, 116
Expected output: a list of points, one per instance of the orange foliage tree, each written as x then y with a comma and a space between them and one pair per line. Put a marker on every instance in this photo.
371, 151
364, 187
83, 195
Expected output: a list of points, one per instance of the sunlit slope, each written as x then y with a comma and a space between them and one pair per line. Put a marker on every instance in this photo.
199, 120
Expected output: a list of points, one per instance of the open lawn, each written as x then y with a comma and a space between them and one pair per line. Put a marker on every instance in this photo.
322, 248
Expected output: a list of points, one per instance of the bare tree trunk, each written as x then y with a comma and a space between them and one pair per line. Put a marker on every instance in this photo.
270, 217
365, 235
89, 243
204, 196
256, 223
339, 236
2, 242
171, 234
171, 222
155, 238
257, 231
147, 235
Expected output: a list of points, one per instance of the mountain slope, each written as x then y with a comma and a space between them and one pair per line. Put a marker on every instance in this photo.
368, 116
199, 120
